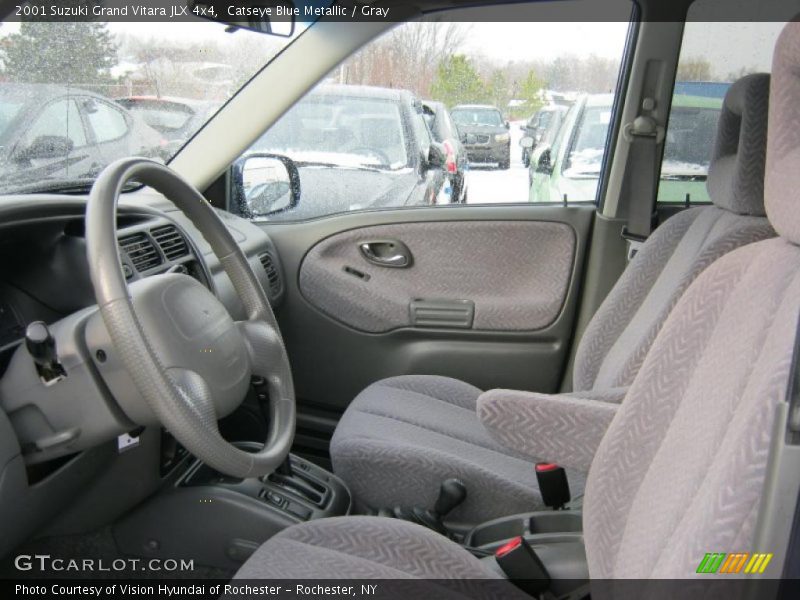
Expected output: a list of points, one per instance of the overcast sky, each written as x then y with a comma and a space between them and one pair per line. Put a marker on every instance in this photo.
719, 43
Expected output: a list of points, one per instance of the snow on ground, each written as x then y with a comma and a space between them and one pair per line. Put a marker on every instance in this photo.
490, 185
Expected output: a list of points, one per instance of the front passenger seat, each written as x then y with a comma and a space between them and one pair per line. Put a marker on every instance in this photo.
682, 468
402, 436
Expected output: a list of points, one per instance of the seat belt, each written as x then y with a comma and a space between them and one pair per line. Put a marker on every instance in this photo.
640, 183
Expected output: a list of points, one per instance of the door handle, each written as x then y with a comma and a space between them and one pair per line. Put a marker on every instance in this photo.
386, 253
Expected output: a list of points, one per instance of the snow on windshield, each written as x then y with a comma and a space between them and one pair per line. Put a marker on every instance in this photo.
68, 91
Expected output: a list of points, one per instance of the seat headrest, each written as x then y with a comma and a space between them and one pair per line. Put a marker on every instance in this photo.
736, 173
783, 152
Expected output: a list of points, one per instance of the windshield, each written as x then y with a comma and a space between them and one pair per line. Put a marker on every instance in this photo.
485, 117
334, 129
166, 117
76, 96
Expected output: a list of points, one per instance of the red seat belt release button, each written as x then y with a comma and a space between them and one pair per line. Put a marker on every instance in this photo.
522, 566
553, 485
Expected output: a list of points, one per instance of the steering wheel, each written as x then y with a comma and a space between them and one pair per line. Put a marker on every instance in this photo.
188, 359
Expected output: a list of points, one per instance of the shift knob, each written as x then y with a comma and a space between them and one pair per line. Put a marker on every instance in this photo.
451, 494
41, 345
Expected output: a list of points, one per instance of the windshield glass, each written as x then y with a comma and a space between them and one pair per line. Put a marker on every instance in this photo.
477, 116
76, 96
333, 128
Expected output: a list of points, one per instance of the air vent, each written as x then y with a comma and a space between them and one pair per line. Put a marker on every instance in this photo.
141, 251
171, 242
272, 273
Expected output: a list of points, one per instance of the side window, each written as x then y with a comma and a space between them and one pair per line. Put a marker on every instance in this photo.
423, 133
715, 53
357, 138
586, 151
107, 123
60, 118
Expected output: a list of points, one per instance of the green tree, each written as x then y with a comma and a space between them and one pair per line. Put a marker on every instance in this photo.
457, 82
63, 52
530, 91
498, 90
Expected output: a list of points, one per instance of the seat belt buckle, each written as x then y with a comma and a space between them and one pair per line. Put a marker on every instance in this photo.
553, 485
634, 242
522, 566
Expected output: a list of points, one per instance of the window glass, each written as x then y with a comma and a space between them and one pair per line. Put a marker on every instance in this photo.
107, 122
342, 127
424, 137
465, 117
713, 56
586, 154
361, 143
60, 118
163, 117
8, 111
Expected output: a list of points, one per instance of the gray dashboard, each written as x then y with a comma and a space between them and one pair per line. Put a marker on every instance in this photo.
43, 271
44, 276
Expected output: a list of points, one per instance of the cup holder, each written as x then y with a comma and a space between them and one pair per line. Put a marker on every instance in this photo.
546, 523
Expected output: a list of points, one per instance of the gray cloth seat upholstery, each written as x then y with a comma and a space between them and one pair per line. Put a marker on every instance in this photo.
681, 469
401, 437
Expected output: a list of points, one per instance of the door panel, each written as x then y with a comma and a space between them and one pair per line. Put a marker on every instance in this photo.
494, 276
521, 266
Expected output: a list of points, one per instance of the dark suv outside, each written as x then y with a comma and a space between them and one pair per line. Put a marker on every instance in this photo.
484, 133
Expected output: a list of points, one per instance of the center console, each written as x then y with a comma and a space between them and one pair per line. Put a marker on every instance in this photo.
299, 490
556, 537
219, 521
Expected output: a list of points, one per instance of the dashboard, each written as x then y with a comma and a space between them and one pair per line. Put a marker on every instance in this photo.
60, 438
44, 273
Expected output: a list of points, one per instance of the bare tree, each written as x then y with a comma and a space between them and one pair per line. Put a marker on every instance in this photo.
694, 69
407, 57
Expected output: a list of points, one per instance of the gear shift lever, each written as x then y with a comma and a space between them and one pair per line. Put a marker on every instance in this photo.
451, 494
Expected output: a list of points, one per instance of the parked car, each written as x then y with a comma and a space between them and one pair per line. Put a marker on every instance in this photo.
570, 165
176, 119
444, 131
692, 126
54, 132
346, 138
484, 133
538, 124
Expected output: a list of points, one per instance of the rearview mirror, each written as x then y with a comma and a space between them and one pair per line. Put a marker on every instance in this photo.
47, 146
508, 125
544, 162
527, 142
266, 184
273, 17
